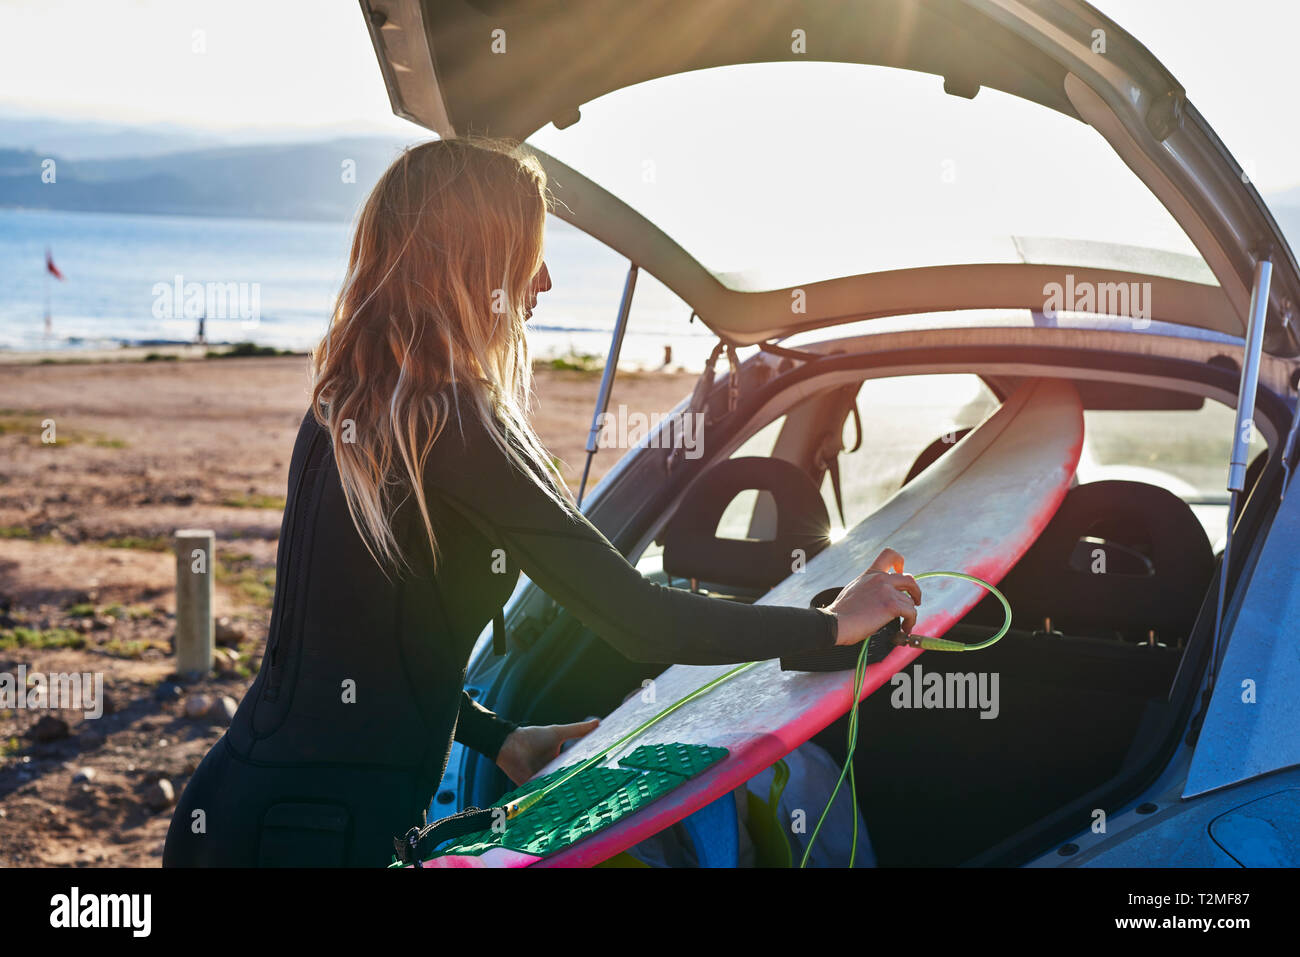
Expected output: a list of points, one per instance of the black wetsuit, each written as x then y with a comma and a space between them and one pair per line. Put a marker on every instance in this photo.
341, 740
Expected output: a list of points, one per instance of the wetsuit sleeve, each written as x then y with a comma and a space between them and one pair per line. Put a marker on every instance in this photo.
569, 559
481, 729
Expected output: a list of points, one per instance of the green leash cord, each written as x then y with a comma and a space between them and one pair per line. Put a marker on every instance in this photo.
515, 808
860, 677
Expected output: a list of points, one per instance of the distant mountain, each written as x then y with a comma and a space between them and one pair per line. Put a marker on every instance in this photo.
85, 139
170, 169
94, 139
291, 181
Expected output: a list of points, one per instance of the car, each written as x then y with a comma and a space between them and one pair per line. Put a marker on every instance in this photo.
890, 214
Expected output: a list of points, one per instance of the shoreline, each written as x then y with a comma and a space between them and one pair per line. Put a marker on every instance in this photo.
193, 352
103, 354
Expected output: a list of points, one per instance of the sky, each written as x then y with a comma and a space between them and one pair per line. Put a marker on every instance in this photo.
213, 65
220, 65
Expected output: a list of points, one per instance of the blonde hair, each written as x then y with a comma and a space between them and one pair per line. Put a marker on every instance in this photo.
429, 325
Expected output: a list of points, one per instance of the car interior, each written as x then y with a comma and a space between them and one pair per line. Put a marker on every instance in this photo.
1086, 669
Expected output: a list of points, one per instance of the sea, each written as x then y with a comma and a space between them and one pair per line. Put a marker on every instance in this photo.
144, 280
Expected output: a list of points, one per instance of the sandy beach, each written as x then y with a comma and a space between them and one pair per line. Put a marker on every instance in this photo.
142, 448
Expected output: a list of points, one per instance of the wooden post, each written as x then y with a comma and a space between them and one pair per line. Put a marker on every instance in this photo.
194, 588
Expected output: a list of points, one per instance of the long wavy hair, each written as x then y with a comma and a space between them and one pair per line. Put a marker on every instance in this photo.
429, 326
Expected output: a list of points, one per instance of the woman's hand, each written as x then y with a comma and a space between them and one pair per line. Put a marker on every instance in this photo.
875, 598
527, 750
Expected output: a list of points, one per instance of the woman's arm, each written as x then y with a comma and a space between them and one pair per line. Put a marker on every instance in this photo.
519, 751
569, 559
481, 729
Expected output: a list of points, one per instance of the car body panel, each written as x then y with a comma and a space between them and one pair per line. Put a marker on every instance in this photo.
1251, 726
1249, 825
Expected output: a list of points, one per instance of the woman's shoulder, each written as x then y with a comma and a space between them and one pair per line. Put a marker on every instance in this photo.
466, 431
474, 448
310, 434
482, 450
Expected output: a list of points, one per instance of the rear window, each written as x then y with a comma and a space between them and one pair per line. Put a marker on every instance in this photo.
776, 174
1185, 452
901, 417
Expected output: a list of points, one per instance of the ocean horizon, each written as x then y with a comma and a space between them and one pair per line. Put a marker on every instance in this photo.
143, 280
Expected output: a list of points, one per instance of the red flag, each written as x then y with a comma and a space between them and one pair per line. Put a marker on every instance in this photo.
53, 269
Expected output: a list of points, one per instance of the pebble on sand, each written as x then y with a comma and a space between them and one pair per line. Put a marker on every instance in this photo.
160, 794
49, 728
228, 633
225, 661
222, 711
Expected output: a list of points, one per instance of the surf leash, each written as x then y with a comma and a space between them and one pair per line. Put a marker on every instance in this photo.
517, 807
860, 677
532, 799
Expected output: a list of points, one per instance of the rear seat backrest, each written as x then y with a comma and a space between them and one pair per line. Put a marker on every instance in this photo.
1095, 588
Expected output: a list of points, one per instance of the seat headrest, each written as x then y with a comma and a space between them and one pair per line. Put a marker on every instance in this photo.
693, 550
1157, 562
933, 452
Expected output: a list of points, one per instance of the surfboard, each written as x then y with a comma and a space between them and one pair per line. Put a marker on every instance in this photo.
977, 509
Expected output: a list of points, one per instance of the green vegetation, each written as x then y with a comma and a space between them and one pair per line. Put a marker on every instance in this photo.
11, 638
161, 357
242, 350
26, 534
85, 609
19, 422
27, 424
155, 543
583, 362
275, 502
237, 571
118, 648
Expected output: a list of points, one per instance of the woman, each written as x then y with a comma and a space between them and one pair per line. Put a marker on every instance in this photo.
417, 492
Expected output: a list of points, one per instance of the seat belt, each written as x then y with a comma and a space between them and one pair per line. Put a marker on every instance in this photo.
831, 464
833, 468
499, 633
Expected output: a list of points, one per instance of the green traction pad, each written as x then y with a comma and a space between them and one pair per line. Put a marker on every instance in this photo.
684, 760
591, 800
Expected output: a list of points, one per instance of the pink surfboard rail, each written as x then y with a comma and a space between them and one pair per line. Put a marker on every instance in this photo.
975, 510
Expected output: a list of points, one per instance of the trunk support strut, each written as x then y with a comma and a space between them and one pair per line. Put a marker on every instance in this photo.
1245, 428
607, 377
